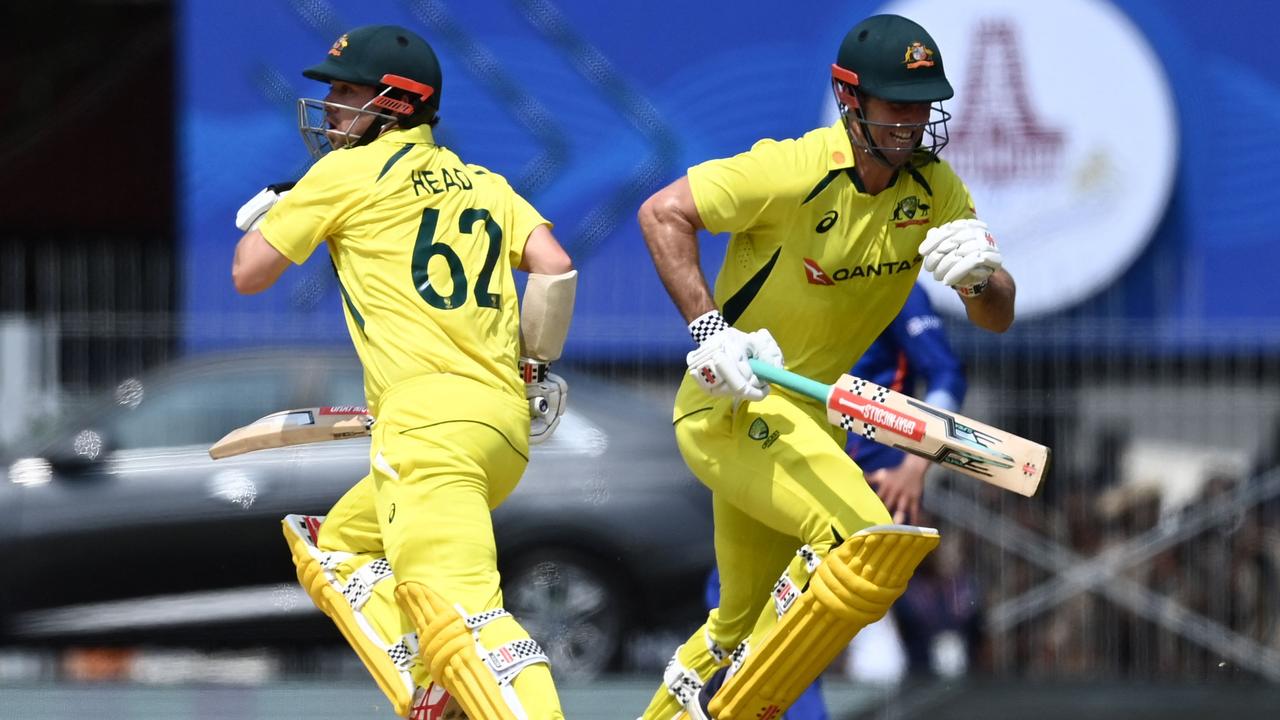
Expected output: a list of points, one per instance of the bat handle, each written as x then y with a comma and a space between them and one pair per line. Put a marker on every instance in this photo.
775, 375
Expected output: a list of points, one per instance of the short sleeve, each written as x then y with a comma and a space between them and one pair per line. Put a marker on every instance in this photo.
524, 218
736, 193
952, 198
311, 212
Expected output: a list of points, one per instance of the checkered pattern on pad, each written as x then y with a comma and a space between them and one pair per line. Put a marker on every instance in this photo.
508, 660
402, 653
360, 586
486, 617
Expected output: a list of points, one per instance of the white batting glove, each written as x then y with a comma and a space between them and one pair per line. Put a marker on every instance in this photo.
548, 396
720, 363
962, 254
251, 213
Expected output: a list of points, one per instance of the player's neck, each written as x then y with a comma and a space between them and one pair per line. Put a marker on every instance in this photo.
873, 172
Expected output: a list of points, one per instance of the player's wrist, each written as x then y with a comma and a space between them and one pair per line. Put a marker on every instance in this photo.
974, 290
707, 325
547, 395
533, 371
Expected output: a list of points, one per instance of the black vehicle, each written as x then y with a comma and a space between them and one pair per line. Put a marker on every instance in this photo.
121, 529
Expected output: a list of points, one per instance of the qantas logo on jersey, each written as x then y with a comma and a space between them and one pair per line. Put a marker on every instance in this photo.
815, 273
817, 276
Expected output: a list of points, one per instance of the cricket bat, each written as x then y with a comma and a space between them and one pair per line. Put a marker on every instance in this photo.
295, 427
897, 420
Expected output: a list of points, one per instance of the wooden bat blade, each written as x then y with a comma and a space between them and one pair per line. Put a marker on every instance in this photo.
946, 438
295, 427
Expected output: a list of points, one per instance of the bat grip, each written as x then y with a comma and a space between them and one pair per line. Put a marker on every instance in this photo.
775, 375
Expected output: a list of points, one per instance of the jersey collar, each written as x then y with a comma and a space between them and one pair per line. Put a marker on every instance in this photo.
420, 135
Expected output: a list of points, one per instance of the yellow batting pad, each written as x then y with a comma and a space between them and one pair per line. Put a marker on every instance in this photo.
478, 678
395, 681
852, 588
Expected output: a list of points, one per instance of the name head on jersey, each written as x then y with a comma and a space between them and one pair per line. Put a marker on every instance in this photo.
382, 77
891, 59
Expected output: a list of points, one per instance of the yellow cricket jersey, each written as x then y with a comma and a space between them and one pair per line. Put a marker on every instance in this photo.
423, 245
820, 263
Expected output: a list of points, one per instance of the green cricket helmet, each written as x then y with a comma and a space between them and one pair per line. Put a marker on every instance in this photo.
395, 61
894, 59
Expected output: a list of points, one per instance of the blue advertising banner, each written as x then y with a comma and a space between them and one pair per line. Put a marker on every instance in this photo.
1120, 151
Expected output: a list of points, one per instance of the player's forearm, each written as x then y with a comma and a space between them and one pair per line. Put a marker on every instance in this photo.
993, 309
672, 239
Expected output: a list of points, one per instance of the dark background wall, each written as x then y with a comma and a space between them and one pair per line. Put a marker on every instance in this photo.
87, 178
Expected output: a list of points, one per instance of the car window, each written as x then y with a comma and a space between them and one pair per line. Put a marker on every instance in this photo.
344, 385
200, 407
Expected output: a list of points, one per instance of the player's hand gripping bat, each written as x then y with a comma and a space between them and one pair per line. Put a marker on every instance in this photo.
892, 418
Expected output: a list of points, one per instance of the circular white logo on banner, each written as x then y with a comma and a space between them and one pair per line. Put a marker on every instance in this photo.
1063, 127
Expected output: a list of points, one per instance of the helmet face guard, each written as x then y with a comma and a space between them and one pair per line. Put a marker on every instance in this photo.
399, 100
845, 84
320, 138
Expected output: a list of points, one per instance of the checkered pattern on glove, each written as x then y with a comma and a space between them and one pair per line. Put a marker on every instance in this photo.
706, 325
720, 363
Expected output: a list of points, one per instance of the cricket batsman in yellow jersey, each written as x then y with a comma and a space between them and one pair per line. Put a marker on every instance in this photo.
828, 232
424, 246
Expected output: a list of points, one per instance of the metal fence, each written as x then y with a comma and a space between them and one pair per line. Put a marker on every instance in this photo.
1153, 550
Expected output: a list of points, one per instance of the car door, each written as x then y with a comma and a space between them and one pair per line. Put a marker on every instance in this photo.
153, 515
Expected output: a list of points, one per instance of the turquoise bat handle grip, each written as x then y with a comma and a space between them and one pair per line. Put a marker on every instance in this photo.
775, 375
